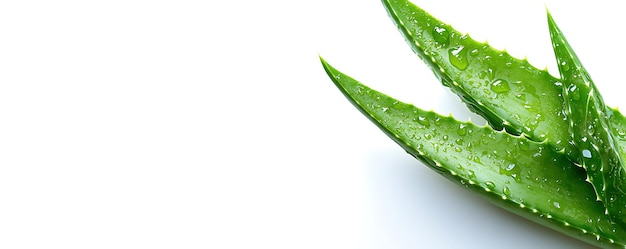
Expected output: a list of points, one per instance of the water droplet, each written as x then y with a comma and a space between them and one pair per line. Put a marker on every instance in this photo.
359, 90
458, 149
510, 167
419, 147
441, 36
491, 73
445, 137
586, 153
437, 121
573, 92
500, 86
462, 130
506, 191
458, 57
471, 174
591, 130
423, 121
385, 109
490, 184
427, 136
458, 141
510, 170
474, 52
564, 66
556, 204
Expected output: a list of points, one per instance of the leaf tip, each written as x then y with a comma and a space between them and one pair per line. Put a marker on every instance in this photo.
551, 23
327, 67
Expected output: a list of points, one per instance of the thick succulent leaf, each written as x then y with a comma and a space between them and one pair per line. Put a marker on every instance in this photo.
589, 127
618, 126
510, 93
525, 177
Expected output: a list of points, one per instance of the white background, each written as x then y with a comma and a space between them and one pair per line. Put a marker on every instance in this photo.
211, 124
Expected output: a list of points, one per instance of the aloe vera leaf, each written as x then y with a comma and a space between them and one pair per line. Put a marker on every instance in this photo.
618, 125
590, 129
512, 175
533, 107
510, 93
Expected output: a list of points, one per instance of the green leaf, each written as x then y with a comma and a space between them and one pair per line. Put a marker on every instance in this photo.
510, 93
525, 177
590, 129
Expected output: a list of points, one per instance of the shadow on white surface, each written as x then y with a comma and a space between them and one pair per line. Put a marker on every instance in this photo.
411, 206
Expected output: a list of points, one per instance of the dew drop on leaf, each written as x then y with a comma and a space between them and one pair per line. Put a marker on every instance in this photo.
458, 57
458, 141
564, 66
510, 170
437, 121
441, 35
500, 86
471, 174
586, 153
462, 130
573, 92
510, 167
423, 121
491, 73
359, 90
591, 130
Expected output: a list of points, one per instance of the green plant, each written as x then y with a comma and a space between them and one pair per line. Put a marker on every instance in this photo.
590, 129
570, 179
